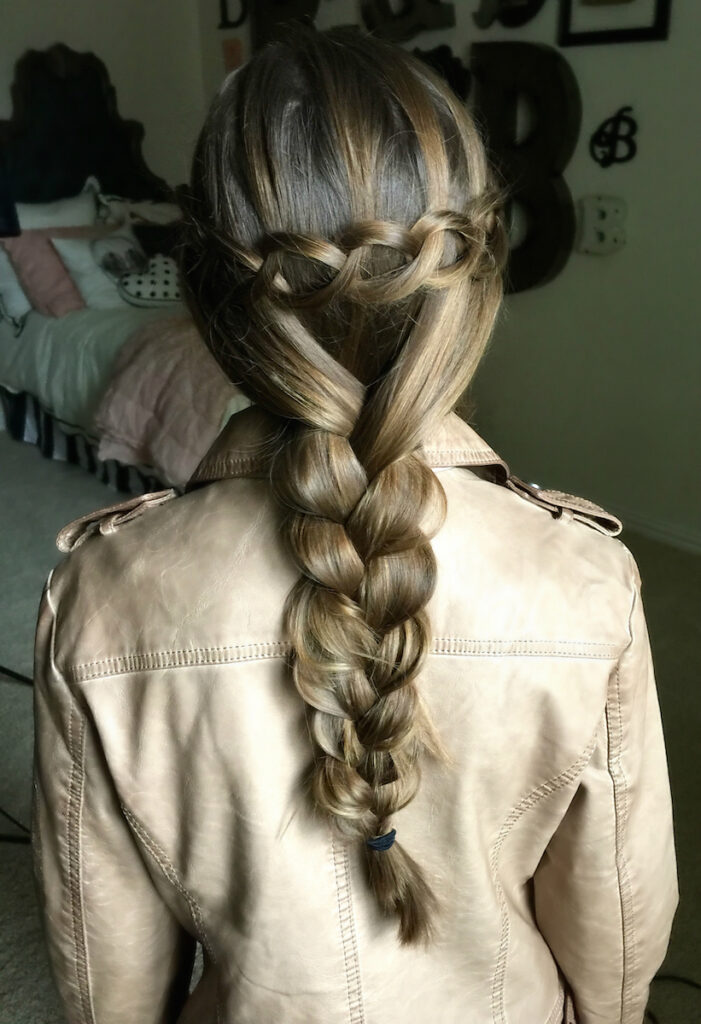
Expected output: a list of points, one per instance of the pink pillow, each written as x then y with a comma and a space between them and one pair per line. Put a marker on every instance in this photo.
42, 274
41, 271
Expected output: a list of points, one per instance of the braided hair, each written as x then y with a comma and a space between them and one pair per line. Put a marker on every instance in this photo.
343, 257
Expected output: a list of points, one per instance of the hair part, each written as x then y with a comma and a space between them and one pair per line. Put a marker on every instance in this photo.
343, 257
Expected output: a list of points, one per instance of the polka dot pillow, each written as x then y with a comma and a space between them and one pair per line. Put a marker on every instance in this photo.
157, 285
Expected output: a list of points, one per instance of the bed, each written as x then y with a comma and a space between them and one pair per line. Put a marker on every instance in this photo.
98, 369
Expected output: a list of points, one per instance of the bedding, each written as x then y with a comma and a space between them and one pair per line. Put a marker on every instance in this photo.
97, 288
119, 210
66, 363
55, 370
14, 304
25, 419
34, 275
166, 402
73, 211
42, 274
156, 285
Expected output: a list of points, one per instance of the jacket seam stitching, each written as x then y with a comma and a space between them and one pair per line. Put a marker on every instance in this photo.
74, 816
232, 653
227, 464
621, 811
526, 803
356, 1013
626, 886
172, 875
555, 1015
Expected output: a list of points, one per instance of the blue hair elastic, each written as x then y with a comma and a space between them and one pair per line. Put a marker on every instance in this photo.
382, 842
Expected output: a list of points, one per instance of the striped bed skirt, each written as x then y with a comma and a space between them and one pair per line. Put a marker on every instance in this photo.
25, 419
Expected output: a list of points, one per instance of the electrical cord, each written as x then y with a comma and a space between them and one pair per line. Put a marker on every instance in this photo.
18, 824
17, 676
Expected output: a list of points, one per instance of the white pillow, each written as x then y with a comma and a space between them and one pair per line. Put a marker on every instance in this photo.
158, 285
14, 304
119, 253
97, 288
74, 212
118, 210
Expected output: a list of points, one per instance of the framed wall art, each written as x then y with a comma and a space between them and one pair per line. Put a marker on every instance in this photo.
593, 22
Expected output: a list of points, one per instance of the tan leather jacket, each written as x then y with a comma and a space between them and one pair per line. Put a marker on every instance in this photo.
171, 747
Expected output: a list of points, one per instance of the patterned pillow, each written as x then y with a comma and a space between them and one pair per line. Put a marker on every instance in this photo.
118, 254
156, 286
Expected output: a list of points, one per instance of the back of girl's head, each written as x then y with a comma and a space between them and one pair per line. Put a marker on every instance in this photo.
343, 257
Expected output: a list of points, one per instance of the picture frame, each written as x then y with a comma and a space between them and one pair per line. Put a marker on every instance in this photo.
582, 24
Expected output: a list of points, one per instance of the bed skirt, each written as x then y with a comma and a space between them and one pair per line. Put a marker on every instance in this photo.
25, 419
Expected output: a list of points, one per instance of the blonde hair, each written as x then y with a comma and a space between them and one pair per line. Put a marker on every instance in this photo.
343, 255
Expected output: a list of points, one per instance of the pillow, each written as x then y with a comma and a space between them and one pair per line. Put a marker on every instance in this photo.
76, 211
14, 304
96, 285
119, 253
41, 274
157, 286
118, 210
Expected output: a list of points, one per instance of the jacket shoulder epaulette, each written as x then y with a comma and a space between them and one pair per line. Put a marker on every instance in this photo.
567, 506
109, 519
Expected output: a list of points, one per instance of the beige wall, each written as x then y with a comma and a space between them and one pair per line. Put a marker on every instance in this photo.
153, 55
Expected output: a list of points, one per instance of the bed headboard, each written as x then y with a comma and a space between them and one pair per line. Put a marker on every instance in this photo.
65, 127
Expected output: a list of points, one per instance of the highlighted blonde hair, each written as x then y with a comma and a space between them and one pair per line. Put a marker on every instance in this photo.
343, 255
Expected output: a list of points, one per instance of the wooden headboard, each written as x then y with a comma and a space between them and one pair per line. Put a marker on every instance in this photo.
64, 128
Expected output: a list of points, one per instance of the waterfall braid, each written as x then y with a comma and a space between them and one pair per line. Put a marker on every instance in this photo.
343, 257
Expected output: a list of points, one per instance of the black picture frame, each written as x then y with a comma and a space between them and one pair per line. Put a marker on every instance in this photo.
658, 30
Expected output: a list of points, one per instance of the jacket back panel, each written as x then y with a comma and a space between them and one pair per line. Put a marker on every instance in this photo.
172, 639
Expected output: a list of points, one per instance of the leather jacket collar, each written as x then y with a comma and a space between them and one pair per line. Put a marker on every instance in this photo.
247, 442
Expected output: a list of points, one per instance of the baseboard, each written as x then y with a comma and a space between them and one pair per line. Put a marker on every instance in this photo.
667, 533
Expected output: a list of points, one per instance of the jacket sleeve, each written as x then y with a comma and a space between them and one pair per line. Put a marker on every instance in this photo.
606, 888
116, 950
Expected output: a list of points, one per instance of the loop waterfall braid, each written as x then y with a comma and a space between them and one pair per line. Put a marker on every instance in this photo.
382, 842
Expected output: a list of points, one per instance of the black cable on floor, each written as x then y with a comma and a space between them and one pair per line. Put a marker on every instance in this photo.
5, 814
17, 676
19, 825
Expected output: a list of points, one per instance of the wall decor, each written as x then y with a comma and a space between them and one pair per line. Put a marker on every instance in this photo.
415, 16
613, 142
586, 23
225, 17
600, 225
509, 13
232, 52
531, 167
443, 60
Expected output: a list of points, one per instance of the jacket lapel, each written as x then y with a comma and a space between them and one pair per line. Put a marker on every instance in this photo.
250, 438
